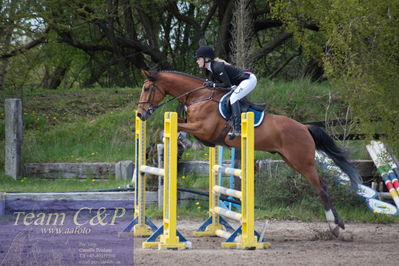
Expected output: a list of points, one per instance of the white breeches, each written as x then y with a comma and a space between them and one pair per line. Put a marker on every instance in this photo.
243, 89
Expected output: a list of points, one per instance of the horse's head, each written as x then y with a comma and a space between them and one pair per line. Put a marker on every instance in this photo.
151, 96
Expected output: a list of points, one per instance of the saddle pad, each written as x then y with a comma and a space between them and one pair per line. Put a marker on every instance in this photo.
226, 113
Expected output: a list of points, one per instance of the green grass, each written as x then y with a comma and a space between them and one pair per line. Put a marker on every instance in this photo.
296, 99
286, 195
183, 212
107, 137
300, 212
25, 184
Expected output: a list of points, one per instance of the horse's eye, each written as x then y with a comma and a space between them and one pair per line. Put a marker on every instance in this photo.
146, 88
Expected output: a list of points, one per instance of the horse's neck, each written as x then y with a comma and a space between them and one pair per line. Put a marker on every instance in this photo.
177, 87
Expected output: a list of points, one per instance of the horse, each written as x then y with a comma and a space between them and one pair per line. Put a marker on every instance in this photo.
296, 143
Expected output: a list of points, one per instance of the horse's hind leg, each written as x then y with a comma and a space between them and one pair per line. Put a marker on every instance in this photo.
305, 165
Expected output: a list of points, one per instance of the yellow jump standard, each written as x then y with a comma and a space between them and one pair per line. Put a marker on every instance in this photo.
141, 225
245, 237
170, 238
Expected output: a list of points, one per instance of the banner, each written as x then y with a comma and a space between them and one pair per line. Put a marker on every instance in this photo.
87, 234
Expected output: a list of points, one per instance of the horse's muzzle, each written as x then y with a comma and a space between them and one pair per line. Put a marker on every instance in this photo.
146, 114
143, 116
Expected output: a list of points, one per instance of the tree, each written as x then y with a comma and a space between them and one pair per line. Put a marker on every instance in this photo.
19, 32
106, 43
242, 34
358, 43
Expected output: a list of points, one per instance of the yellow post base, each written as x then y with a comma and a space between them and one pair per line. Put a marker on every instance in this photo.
238, 245
245, 243
141, 230
164, 245
210, 230
172, 246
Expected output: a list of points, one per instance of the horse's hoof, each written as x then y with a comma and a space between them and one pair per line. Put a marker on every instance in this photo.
338, 221
335, 231
341, 224
346, 236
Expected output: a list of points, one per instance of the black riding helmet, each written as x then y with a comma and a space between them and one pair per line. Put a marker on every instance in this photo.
205, 51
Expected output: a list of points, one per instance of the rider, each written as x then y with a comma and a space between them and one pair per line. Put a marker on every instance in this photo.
226, 76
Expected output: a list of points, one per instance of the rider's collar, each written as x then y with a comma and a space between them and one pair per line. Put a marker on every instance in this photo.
209, 66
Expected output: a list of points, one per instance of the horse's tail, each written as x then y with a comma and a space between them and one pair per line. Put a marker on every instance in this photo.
326, 144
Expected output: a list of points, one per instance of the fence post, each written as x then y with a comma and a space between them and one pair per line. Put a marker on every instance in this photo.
14, 137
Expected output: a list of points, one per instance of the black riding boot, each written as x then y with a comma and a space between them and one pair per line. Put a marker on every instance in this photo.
236, 117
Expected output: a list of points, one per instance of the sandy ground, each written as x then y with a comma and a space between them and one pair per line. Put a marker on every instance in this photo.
292, 243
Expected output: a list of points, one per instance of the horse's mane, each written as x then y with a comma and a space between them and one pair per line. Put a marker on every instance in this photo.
154, 75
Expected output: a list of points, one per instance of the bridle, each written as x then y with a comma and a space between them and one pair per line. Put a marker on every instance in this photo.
154, 88
150, 100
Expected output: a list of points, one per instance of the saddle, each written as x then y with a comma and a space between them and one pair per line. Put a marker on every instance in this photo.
245, 105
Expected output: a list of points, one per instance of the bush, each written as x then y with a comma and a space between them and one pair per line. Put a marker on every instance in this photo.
292, 190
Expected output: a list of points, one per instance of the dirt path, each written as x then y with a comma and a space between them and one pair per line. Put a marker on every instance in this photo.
293, 243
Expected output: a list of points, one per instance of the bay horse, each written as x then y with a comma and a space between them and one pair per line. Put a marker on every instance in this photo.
294, 142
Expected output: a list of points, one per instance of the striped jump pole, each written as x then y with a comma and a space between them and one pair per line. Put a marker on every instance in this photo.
366, 193
388, 160
141, 225
170, 238
384, 170
245, 236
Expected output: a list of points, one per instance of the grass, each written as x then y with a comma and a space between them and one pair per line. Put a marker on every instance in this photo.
353, 214
296, 99
24, 184
107, 137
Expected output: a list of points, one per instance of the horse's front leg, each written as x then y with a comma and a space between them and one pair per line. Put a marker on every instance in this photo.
199, 130
190, 128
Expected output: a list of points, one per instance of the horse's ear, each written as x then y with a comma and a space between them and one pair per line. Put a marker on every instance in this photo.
146, 73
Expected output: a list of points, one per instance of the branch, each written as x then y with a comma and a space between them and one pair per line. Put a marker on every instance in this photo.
175, 11
25, 47
208, 18
270, 46
266, 24
66, 37
278, 70
199, 28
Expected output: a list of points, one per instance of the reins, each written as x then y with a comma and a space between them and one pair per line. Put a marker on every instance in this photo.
181, 96
154, 87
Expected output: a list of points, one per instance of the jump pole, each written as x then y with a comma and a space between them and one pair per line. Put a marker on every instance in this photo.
390, 165
245, 236
384, 169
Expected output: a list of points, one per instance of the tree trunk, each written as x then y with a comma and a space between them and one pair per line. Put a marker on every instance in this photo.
224, 37
52, 81
3, 72
314, 70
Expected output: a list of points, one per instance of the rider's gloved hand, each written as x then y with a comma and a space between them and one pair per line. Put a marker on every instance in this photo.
209, 84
